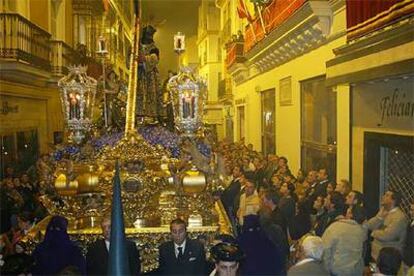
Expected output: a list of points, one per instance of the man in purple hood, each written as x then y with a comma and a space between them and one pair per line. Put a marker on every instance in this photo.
263, 257
57, 251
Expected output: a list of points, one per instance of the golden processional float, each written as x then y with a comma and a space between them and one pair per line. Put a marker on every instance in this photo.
156, 188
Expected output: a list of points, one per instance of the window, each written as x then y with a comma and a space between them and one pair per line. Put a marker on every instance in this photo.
219, 50
318, 135
241, 122
268, 122
8, 5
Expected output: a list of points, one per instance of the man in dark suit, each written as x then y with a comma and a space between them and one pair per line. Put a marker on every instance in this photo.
270, 200
231, 195
181, 255
319, 188
98, 253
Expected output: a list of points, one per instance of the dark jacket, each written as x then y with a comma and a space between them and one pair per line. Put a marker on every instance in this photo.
229, 197
325, 220
299, 226
57, 251
192, 263
320, 188
287, 206
409, 246
260, 178
277, 217
97, 258
263, 257
310, 268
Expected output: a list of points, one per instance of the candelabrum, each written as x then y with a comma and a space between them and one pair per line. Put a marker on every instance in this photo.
77, 95
102, 54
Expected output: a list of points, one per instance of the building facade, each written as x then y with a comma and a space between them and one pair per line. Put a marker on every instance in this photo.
375, 69
328, 84
209, 62
39, 40
282, 105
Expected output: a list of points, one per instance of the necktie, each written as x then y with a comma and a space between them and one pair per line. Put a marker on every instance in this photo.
180, 253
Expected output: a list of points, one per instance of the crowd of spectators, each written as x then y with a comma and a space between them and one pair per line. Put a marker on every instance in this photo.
20, 210
292, 207
284, 223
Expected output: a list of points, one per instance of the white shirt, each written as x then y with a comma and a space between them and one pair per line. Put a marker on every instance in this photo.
393, 210
176, 248
304, 261
214, 272
107, 243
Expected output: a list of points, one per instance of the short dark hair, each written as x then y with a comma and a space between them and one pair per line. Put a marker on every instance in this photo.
26, 216
338, 200
241, 170
359, 198
283, 158
179, 222
396, 196
251, 180
333, 184
304, 206
358, 214
389, 261
325, 170
291, 187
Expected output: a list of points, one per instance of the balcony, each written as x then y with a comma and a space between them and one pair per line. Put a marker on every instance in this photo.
23, 41
235, 53
27, 51
274, 15
61, 57
299, 27
364, 17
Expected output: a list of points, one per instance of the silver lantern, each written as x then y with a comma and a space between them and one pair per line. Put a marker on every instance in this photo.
187, 93
77, 94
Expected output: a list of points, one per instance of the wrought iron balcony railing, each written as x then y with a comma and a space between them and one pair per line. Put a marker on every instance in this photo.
274, 15
61, 56
23, 41
235, 53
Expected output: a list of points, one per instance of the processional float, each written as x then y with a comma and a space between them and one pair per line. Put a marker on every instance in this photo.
154, 190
